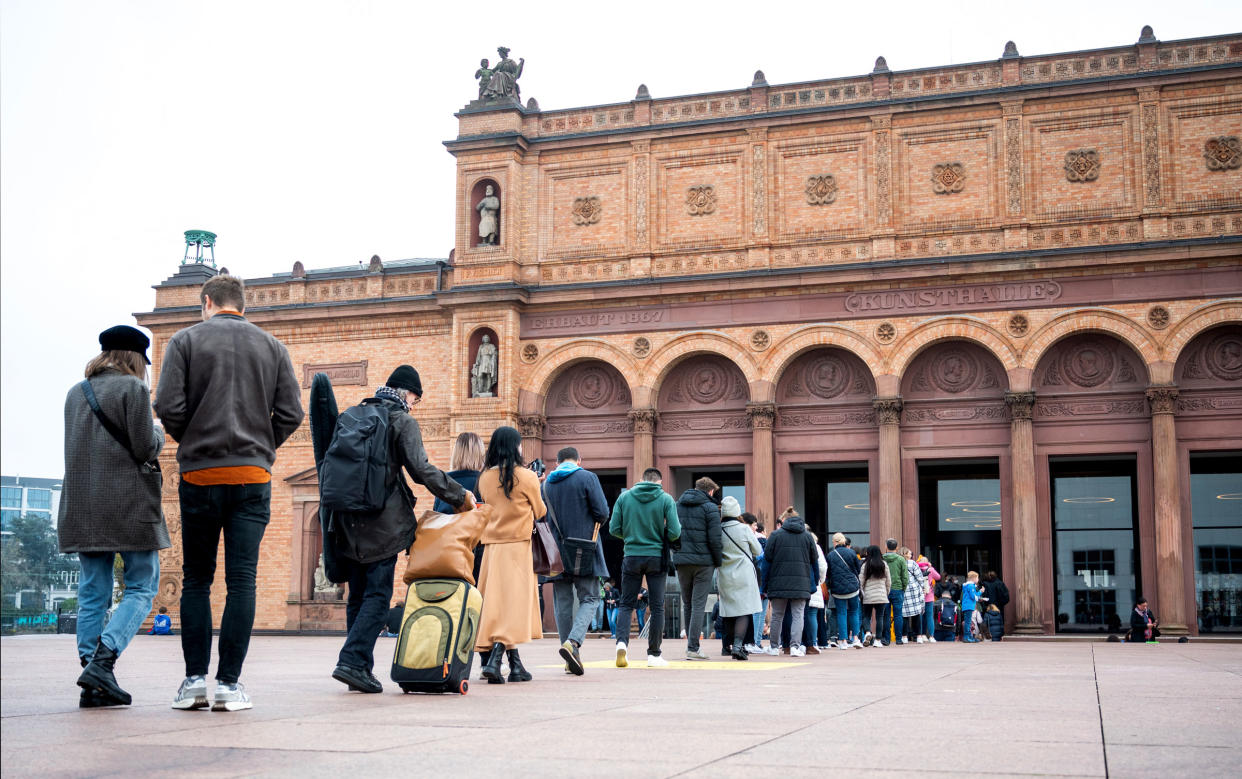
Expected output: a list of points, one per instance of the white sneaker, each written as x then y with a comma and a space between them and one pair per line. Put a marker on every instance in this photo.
696, 654
622, 658
857, 644
832, 644
931, 639
922, 639
846, 646
772, 650
231, 697
655, 661
869, 639
751, 649
797, 650
904, 640
192, 694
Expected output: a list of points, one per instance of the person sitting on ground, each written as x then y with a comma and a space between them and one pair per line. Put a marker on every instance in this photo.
392, 625
876, 580
1143, 623
162, 624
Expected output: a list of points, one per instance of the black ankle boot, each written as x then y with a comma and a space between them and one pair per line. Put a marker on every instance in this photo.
98, 677
517, 673
738, 651
484, 657
89, 699
491, 671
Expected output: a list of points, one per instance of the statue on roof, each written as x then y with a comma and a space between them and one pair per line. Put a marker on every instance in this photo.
500, 82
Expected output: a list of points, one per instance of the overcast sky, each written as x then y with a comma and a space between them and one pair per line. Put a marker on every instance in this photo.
313, 131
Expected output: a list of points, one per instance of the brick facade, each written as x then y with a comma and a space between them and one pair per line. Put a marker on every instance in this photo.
1010, 205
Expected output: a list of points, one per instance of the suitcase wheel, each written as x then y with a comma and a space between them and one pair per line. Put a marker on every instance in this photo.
464, 687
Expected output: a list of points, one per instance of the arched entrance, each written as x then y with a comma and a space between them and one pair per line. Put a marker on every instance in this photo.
1092, 435
1208, 376
955, 458
703, 428
825, 441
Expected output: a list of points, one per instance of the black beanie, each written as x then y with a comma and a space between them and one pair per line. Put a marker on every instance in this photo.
406, 378
124, 338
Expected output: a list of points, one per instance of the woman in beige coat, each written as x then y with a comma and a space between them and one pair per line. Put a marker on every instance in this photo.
507, 577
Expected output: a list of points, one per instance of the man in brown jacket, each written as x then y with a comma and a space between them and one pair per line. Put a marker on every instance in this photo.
228, 396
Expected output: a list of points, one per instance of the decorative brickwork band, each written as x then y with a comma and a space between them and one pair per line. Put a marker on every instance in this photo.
1013, 165
883, 176
640, 200
1021, 405
531, 425
762, 415
1151, 154
643, 419
887, 410
759, 174
1162, 399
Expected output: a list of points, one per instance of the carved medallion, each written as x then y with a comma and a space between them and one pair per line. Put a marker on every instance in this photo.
586, 210
1158, 317
955, 371
530, 353
760, 340
1223, 152
592, 388
1018, 325
821, 190
1090, 365
948, 178
642, 347
707, 383
1223, 356
1082, 165
700, 201
885, 332
827, 377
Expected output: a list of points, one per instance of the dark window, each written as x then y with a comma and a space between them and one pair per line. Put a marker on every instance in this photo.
1216, 518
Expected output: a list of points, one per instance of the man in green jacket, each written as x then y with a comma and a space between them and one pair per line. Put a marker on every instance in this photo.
901, 577
643, 517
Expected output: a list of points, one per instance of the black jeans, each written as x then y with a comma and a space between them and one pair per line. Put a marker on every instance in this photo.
366, 612
241, 512
632, 571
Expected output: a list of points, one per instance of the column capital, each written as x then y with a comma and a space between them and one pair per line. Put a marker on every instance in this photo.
531, 425
1162, 398
1021, 404
887, 410
643, 419
762, 416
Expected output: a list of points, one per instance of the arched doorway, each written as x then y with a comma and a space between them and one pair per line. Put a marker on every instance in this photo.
955, 457
703, 429
825, 441
1208, 375
586, 408
1092, 435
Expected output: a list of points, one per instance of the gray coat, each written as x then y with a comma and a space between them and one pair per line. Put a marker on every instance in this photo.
109, 503
735, 579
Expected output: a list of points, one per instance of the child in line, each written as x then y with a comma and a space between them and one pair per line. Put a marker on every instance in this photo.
162, 624
970, 596
946, 615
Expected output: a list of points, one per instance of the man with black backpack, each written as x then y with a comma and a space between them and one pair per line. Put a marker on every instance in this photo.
373, 510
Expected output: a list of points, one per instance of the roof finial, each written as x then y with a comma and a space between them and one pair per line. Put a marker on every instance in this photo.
1011, 50
760, 80
1147, 35
642, 93
881, 66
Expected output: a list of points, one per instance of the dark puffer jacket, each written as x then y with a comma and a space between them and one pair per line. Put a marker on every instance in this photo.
844, 569
792, 561
995, 622
700, 530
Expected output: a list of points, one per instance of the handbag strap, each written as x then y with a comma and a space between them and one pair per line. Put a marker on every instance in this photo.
551, 512
117, 434
732, 540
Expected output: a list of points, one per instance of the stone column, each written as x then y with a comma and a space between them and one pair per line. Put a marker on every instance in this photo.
761, 497
1025, 520
1170, 574
888, 415
531, 427
643, 420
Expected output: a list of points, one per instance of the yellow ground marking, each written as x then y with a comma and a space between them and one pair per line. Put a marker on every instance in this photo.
701, 665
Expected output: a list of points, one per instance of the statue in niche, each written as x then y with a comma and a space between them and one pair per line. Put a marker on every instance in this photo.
324, 589
483, 372
489, 217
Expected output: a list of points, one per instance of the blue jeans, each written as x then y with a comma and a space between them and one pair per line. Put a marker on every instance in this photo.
756, 627
642, 618
142, 575
810, 626
597, 621
892, 615
612, 620
928, 615
851, 609
571, 623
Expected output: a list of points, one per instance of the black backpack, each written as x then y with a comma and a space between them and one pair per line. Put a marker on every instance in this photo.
947, 616
1002, 593
355, 467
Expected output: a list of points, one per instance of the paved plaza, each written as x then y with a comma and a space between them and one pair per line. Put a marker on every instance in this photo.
1038, 708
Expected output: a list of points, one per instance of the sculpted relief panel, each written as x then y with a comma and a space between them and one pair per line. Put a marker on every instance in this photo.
1207, 155
1094, 365
954, 370
704, 383
588, 210
1095, 153
1212, 359
821, 188
825, 376
964, 163
588, 399
700, 199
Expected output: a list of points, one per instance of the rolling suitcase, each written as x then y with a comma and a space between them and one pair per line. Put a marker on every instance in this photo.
435, 647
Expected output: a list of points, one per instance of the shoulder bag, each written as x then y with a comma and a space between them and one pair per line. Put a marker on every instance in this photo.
544, 552
579, 557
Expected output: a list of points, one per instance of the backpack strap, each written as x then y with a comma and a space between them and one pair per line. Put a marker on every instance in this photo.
117, 433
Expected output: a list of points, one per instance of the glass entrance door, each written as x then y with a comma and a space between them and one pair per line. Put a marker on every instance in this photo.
1095, 543
960, 517
1216, 514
